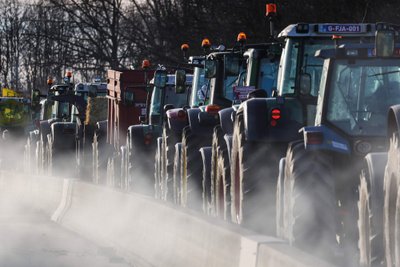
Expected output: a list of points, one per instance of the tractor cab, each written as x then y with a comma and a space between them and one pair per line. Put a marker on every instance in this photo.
222, 70
164, 96
299, 73
200, 86
357, 88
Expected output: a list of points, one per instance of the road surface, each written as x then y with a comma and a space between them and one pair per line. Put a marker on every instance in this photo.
29, 239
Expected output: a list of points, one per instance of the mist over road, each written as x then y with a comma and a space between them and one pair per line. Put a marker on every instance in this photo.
29, 239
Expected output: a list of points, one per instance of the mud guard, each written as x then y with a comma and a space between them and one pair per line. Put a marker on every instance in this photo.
136, 134
63, 135
194, 123
225, 118
257, 119
175, 123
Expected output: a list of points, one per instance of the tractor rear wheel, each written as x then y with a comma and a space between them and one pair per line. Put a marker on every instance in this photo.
166, 160
221, 185
310, 202
218, 146
253, 182
177, 174
370, 237
391, 213
191, 170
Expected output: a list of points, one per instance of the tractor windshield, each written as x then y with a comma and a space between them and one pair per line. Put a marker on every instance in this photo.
170, 97
361, 93
177, 100
298, 57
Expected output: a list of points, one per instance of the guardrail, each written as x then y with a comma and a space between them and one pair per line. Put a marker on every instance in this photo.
150, 232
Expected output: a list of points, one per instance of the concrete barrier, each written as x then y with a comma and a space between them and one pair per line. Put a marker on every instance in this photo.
148, 232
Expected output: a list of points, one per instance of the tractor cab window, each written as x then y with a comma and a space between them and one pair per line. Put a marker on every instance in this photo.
156, 101
178, 100
200, 91
267, 75
360, 95
299, 58
63, 109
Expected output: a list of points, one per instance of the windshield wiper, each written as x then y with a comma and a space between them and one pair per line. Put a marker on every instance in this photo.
384, 73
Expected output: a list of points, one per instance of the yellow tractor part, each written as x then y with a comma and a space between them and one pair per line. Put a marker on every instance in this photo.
6, 92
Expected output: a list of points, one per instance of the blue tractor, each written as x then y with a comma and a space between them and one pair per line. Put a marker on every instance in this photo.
263, 127
318, 190
379, 194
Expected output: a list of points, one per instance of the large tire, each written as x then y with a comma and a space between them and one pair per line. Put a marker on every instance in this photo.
369, 243
177, 174
222, 186
364, 223
169, 139
390, 209
253, 182
310, 205
191, 170
279, 199
205, 153
370, 210
218, 147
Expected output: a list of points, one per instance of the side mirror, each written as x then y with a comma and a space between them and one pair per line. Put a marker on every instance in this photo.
384, 41
231, 65
210, 68
305, 84
160, 78
129, 98
180, 82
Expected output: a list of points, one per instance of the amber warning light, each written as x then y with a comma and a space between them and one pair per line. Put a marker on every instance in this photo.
205, 43
184, 47
270, 10
49, 81
241, 37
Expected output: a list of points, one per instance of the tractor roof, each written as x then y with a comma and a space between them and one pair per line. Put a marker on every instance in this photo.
328, 29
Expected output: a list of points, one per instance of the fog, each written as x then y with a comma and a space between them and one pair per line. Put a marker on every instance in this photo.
113, 214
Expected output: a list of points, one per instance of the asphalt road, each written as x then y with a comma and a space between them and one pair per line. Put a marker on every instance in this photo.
29, 239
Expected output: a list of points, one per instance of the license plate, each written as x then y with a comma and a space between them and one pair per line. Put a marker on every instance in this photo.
340, 28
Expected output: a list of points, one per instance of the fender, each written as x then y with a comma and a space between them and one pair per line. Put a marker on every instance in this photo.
258, 119
143, 136
393, 121
64, 135
324, 138
177, 120
193, 118
225, 120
